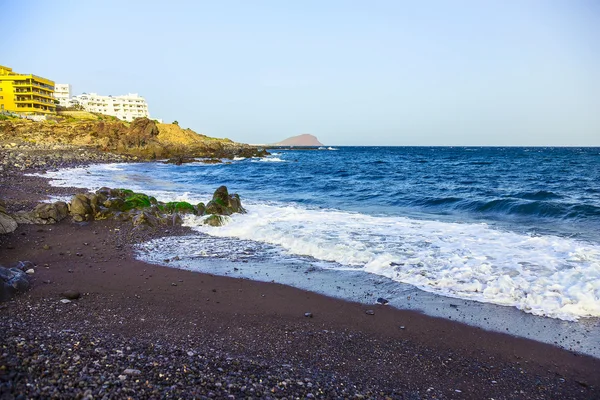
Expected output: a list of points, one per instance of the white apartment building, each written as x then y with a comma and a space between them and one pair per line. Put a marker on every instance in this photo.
127, 107
62, 93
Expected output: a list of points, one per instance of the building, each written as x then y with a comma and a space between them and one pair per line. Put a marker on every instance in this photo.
62, 93
26, 93
127, 107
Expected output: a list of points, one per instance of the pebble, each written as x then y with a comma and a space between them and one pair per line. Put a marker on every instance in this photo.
131, 371
71, 294
308, 315
65, 301
370, 312
30, 271
382, 301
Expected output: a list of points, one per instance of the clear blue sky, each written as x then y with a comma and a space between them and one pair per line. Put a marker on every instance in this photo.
523, 72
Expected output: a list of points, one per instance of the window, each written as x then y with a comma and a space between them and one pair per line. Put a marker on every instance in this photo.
1, 97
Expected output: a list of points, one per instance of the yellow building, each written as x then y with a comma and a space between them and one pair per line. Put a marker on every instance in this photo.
26, 94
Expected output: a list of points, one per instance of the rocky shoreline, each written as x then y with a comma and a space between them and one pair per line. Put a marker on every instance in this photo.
130, 329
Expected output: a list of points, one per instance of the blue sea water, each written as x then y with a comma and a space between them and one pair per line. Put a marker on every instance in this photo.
516, 227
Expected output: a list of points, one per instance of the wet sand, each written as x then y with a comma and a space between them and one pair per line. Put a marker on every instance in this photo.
341, 349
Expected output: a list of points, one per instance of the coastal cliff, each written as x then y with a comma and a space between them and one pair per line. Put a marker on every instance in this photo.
143, 138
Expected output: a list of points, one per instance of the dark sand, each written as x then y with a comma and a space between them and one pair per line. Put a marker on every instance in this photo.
218, 336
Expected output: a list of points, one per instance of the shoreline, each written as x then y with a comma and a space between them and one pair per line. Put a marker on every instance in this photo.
265, 321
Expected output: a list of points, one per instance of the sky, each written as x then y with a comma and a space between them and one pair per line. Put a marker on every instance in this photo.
446, 73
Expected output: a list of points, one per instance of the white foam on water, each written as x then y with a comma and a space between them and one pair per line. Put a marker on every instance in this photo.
542, 275
268, 159
96, 176
54, 199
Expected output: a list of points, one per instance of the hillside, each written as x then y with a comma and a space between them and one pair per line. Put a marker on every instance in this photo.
142, 138
300, 140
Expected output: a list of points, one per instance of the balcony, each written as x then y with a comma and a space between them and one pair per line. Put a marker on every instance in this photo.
33, 93
30, 83
36, 101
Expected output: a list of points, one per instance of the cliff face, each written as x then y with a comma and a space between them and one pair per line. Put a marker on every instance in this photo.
300, 140
142, 138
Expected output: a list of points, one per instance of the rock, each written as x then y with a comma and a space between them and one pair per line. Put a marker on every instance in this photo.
65, 301
81, 210
200, 209
115, 204
131, 371
103, 213
23, 265
370, 312
30, 271
382, 301
224, 204
182, 207
12, 281
43, 214
71, 294
7, 223
308, 315
145, 219
214, 220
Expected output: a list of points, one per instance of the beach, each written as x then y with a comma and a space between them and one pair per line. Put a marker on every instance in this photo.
147, 331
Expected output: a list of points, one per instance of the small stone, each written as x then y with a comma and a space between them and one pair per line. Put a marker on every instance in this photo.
46, 247
370, 312
30, 271
308, 315
382, 301
173, 284
131, 371
71, 294
402, 327
65, 301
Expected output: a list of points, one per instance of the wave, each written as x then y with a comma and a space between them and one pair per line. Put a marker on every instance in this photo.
538, 195
509, 207
542, 275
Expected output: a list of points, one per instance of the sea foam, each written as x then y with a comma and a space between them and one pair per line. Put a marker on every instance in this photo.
542, 275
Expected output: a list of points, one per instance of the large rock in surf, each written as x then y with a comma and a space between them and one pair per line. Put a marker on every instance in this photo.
223, 203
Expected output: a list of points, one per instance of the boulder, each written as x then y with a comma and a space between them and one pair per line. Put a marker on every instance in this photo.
223, 203
145, 219
12, 281
200, 209
81, 210
214, 220
115, 204
103, 213
43, 214
7, 223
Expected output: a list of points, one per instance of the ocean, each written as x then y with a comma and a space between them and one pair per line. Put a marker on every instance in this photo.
482, 235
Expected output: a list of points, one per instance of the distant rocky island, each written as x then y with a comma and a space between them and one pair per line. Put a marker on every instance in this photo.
300, 140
